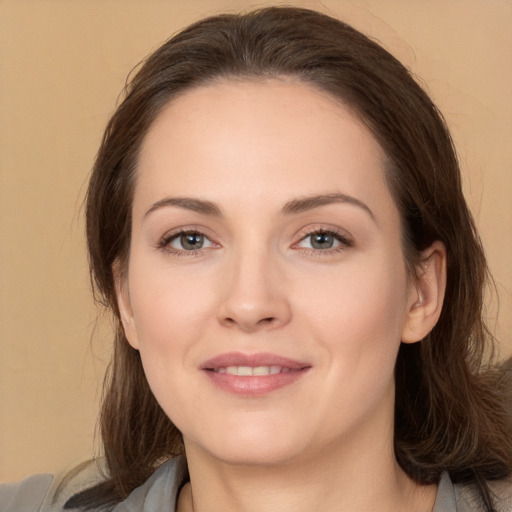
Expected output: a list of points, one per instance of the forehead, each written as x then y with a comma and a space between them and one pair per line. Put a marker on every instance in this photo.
263, 139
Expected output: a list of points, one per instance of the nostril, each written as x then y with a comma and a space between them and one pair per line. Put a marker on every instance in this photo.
249, 324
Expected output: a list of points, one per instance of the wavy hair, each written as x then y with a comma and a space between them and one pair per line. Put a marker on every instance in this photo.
451, 411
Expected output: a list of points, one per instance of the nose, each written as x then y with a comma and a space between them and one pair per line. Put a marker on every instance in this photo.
254, 297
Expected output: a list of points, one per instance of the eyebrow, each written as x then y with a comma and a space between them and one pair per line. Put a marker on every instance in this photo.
295, 206
188, 203
311, 202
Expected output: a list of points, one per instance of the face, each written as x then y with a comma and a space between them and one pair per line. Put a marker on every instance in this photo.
266, 287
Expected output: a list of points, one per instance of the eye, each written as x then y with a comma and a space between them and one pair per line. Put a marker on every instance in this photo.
186, 241
324, 240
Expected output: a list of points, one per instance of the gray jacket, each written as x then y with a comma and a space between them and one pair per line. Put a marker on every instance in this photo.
48, 493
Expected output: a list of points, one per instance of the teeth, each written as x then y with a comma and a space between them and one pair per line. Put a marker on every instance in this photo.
261, 370
248, 371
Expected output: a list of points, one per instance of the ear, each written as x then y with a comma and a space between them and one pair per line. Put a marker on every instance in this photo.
124, 304
426, 294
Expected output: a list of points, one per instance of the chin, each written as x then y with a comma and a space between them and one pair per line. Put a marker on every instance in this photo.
262, 455
253, 447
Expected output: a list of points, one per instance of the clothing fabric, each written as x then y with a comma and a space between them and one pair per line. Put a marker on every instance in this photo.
47, 493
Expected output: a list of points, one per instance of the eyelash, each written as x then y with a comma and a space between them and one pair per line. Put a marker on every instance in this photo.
165, 243
344, 242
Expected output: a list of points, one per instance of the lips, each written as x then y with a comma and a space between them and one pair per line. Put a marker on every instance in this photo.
248, 371
253, 375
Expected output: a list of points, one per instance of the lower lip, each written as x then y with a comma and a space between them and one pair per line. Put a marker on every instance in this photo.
254, 386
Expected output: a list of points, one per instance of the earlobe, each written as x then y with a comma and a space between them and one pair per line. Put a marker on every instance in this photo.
427, 294
124, 305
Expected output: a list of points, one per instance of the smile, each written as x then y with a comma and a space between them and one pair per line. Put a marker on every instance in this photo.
248, 371
253, 375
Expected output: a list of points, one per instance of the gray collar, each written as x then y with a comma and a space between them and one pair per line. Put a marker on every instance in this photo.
445, 499
160, 492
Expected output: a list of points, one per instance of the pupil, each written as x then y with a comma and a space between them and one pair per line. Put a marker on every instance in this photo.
322, 241
192, 241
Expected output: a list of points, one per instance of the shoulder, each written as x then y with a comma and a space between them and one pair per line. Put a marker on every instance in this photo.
468, 497
49, 493
27, 495
160, 489
502, 490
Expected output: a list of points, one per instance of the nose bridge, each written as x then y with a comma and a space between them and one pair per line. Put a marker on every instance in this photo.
254, 297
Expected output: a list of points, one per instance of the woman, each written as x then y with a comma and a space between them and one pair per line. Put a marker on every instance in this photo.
275, 218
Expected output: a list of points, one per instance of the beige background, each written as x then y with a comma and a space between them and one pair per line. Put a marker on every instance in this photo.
62, 65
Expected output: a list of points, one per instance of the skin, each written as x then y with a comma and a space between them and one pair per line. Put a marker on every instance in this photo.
256, 150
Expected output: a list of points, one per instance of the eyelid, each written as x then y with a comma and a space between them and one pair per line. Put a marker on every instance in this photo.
165, 240
344, 237
346, 240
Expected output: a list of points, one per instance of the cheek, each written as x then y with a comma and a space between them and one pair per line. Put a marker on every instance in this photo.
358, 317
367, 297
171, 309
166, 301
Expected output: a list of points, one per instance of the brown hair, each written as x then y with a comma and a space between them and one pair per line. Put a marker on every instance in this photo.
451, 414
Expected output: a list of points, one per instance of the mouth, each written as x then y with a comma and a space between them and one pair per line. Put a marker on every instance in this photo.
249, 371
253, 375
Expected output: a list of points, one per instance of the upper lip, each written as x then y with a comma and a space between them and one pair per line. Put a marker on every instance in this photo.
253, 360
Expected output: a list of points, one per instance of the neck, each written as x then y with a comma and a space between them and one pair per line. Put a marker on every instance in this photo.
362, 478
